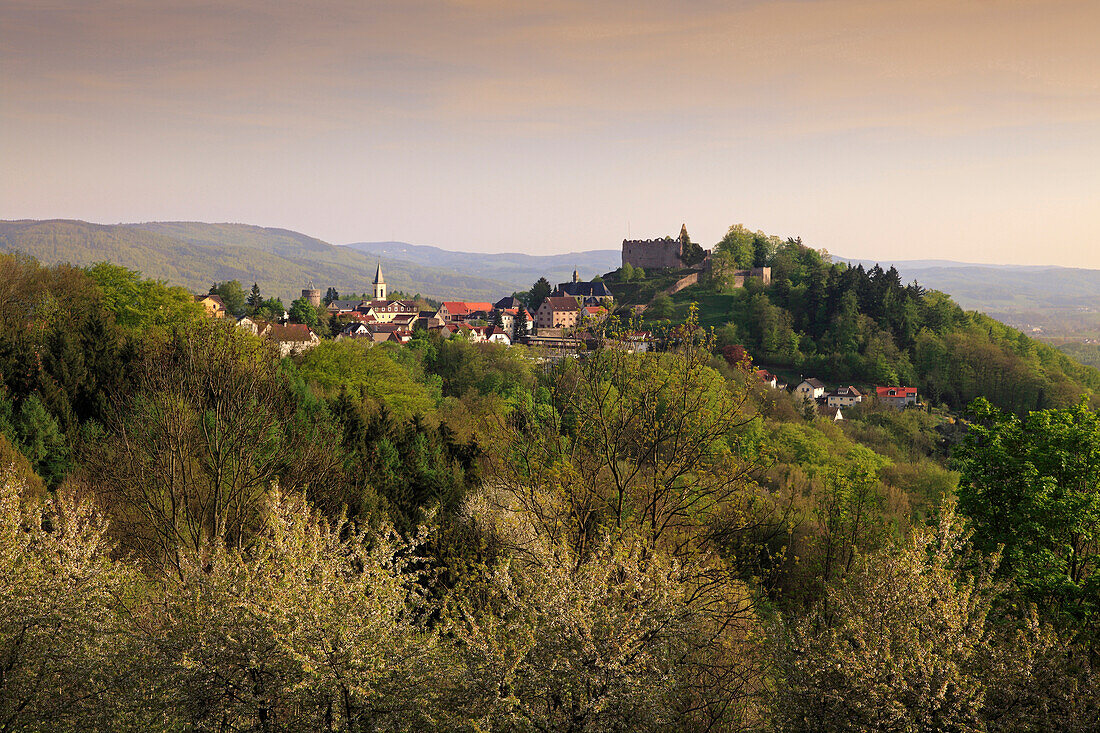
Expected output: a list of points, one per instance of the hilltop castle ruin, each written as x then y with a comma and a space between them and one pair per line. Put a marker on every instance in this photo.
656, 253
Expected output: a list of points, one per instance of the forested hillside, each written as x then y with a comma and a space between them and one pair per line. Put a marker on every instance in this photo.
859, 326
196, 534
194, 255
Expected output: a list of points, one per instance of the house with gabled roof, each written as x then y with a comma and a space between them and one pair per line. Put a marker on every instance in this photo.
766, 377
810, 389
587, 293
896, 397
213, 305
844, 397
460, 311
557, 312
291, 338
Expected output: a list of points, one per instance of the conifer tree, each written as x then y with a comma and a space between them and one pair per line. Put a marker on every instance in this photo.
255, 300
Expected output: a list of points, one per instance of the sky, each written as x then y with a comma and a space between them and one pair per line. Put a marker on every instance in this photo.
883, 129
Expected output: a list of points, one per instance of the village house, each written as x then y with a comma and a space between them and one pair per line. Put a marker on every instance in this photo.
586, 293
213, 304
497, 335
459, 311
346, 307
830, 412
810, 389
508, 319
897, 397
254, 326
844, 397
591, 313
766, 377
353, 331
557, 312
291, 338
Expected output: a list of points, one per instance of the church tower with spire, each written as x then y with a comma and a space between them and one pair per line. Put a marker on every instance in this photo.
379, 284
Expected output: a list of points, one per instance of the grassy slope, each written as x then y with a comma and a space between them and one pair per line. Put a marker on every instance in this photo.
195, 254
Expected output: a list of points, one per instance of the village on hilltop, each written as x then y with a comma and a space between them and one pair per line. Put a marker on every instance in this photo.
563, 319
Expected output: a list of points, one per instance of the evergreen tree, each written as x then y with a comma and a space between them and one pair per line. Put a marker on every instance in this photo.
42, 442
255, 300
522, 325
330, 295
540, 291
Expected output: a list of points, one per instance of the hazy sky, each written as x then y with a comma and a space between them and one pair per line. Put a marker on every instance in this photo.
873, 128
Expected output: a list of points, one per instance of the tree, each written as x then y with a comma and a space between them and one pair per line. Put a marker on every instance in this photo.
900, 644
645, 441
660, 308
522, 324
737, 247
539, 292
193, 450
496, 319
42, 442
254, 297
614, 638
63, 638
232, 294
368, 373
271, 309
626, 272
137, 303
330, 295
1032, 484
317, 626
302, 311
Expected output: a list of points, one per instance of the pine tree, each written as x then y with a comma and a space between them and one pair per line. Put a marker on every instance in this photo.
255, 300
521, 325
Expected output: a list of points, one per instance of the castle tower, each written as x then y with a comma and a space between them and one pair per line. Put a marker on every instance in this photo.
313, 295
379, 284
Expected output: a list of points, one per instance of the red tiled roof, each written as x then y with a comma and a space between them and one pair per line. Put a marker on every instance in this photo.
896, 391
465, 308
290, 333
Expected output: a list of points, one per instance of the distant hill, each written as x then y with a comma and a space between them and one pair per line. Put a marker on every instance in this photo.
517, 269
1000, 287
1051, 303
194, 255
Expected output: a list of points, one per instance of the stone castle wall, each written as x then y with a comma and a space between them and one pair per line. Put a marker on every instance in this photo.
652, 253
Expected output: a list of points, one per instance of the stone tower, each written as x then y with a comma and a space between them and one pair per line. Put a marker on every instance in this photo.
313, 295
379, 284
576, 275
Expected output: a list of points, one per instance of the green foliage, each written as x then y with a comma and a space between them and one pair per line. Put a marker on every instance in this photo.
1032, 485
539, 292
365, 372
302, 311
232, 295
255, 299
660, 308
40, 439
137, 303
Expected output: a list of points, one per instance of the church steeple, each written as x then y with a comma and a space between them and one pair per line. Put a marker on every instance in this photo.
379, 284
576, 275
